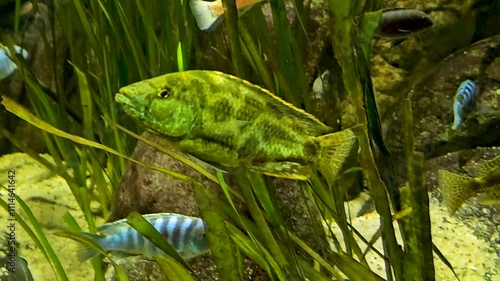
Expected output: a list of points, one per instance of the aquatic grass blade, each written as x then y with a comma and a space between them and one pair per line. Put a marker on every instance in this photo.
311, 273
132, 43
231, 25
17, 16
226, 189
342, 36
89, 217
271, 213
255, 56
367, 28
173, 269
417, 227
330, 207
147, 230
259, 218
436, 250
261, 192
180, 59
288, 57
221, 245
378, 233
258, 254
353, 269
44, 162
88, 129
71, 222
315, 256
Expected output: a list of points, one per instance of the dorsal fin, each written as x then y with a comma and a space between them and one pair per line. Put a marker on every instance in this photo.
301, 118
113, 227
116, 226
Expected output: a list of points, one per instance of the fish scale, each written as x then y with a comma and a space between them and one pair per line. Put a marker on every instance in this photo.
185, 234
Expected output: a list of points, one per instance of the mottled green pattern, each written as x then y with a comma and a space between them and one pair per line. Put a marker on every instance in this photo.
457, 189
225, 120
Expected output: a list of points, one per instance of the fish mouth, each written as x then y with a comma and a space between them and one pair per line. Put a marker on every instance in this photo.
123, 98
130, 104
126, 100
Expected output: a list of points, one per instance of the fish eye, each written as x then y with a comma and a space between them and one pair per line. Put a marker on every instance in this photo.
164, 93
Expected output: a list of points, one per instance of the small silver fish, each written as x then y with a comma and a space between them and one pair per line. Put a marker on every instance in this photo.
322, 84
185, 234
7, 66
464, 98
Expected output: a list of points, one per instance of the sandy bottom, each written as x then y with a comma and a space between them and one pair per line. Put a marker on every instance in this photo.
472, 258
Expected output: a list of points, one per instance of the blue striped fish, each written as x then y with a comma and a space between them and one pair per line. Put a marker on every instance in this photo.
185, 234
464, 98
7, 66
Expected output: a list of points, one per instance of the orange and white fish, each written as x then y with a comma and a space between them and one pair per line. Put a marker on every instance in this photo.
208, 14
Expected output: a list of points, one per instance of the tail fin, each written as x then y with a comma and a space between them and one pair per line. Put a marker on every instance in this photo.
85, 252
336, 148
207, 14
456, 189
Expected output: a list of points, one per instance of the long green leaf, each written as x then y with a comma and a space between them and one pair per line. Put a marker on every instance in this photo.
173, 269
353, 269
222, 248
147, 230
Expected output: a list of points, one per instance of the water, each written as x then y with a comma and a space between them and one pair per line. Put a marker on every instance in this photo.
82, 52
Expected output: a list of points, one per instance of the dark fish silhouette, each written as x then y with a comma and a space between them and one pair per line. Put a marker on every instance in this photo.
401, 23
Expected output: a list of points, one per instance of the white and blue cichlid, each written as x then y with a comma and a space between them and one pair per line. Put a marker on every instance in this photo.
185, 234
7, 66
463, 101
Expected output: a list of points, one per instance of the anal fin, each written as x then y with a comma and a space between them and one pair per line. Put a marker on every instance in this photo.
285, 169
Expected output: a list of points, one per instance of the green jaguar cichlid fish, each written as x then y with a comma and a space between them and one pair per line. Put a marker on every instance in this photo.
456, 189
225, 120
